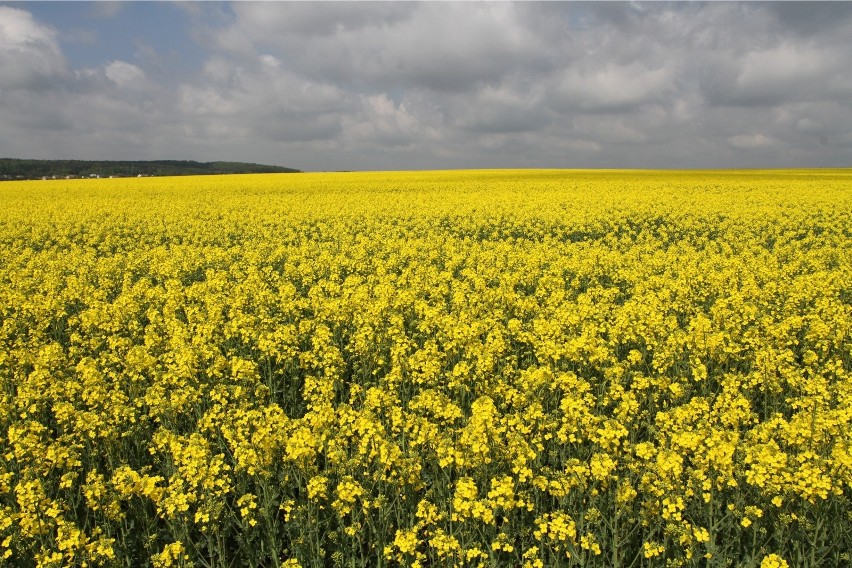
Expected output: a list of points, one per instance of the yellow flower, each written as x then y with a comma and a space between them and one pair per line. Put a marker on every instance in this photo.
173, 554
348, 492
468, 356
773, 561
317, 487
701, 534
652, 549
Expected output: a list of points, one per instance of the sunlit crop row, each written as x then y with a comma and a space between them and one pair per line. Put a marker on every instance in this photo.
495, 368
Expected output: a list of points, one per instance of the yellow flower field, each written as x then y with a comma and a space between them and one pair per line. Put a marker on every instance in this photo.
474, 368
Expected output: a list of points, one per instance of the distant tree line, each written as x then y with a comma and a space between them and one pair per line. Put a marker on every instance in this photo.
11, 168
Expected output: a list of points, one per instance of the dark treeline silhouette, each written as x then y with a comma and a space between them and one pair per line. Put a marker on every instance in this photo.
11, 169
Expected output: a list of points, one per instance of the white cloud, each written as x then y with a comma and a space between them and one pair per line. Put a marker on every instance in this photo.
750, 141
29, 51
385, 45
19, 31
270, 61
781, 71
408, 85
613, 87
505, 108
383, 122
122, 72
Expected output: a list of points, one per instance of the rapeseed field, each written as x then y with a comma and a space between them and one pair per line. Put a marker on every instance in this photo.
473, 368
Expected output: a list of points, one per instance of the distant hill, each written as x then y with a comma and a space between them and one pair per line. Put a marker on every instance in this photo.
11, 169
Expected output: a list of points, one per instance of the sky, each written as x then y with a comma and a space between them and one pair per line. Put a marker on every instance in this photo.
433, 85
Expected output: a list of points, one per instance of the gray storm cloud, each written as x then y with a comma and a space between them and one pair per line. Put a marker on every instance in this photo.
431, 85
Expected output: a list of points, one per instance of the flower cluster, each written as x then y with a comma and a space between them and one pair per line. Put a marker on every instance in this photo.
490, 368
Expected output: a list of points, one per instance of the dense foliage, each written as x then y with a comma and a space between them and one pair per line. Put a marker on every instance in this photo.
543, 368
11, 168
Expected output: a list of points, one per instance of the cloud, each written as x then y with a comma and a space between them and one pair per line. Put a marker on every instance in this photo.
410, 85
809, 18
237, 100
123, 73
386, 45
382, 122
271, 22
30, 57
612, 87
106, 9
750, 141
781, 73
